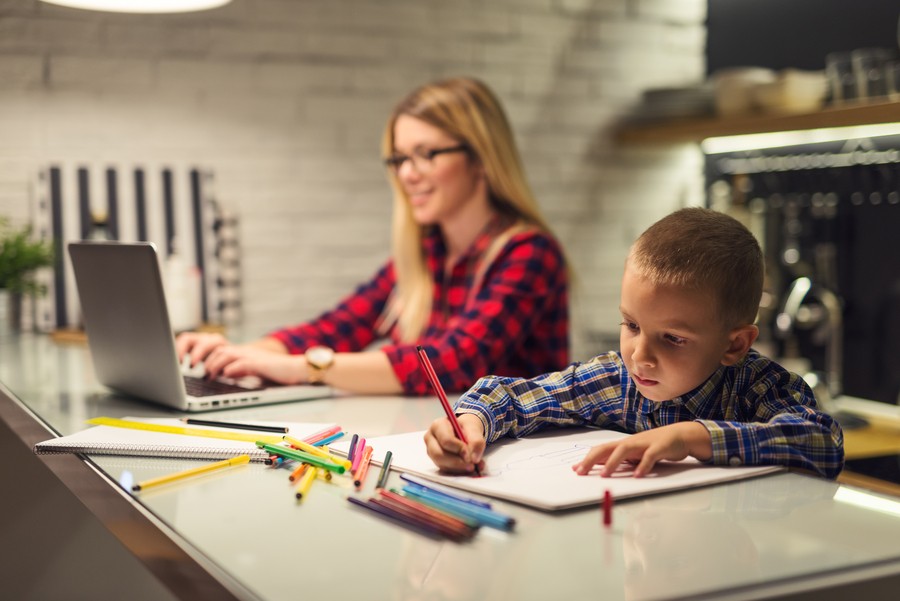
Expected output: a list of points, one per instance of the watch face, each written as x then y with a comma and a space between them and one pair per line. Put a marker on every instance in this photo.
320, 356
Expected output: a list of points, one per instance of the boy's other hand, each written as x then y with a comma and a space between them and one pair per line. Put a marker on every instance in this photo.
673, 442
451, 454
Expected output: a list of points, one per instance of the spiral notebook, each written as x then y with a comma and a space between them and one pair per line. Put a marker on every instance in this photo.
111, 440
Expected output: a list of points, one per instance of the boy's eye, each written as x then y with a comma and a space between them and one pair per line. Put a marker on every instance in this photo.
630, 325
677, 340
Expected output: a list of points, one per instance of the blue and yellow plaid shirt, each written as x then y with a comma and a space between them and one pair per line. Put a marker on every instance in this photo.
757, 413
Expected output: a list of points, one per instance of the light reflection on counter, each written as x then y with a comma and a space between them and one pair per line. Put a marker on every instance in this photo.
868, 500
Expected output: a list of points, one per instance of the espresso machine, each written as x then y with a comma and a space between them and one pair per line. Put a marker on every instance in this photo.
828, 218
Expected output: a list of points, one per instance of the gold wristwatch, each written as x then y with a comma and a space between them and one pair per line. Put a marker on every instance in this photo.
318, 360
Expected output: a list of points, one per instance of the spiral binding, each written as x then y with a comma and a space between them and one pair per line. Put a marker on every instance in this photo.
163, 451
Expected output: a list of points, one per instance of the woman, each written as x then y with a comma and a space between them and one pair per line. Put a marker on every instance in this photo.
476, 277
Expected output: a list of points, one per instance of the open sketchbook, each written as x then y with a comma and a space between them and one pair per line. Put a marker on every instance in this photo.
111, 440
537, 470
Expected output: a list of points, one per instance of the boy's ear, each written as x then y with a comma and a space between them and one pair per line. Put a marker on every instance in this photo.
739, 342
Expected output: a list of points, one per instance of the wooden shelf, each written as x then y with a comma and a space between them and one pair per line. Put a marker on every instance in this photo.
697, 129
880, 437
869, 483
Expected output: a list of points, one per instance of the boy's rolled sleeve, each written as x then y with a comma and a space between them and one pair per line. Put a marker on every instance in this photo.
806, 440
732, 444
484, 414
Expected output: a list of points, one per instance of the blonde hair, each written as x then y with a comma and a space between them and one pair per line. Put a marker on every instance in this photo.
705, 250
467, 110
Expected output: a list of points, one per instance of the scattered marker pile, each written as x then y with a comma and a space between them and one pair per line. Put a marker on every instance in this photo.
421, 505
313, 459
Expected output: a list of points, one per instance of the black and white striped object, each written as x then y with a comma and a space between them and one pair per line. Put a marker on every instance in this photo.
173, 207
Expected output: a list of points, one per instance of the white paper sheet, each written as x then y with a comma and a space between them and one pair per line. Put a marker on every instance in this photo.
537, 470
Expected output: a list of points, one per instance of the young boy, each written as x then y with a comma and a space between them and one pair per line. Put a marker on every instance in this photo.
685, 383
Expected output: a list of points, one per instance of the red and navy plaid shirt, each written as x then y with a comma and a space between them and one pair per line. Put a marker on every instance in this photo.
517, 324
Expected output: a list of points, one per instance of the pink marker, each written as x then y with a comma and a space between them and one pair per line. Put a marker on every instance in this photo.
357, 457
314, 438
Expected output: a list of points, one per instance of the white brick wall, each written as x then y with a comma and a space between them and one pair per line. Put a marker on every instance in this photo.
286, 99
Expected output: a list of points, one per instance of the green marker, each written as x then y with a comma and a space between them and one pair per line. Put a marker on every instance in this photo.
301, 456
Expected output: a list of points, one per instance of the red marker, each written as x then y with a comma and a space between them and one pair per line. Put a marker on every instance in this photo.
607, 508
436, 384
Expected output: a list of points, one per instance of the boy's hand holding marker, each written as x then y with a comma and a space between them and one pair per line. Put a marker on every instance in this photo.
451, 454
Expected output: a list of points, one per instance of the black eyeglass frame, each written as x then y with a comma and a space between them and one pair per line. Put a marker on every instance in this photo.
395, 162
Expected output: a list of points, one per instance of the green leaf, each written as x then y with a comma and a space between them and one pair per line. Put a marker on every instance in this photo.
20, 257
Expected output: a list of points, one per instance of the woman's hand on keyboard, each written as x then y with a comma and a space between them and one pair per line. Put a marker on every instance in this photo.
196, 346
237, 361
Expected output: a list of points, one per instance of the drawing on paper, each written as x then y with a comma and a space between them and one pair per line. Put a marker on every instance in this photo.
529, 462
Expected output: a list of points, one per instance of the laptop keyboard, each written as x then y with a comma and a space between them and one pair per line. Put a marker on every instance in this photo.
200, 387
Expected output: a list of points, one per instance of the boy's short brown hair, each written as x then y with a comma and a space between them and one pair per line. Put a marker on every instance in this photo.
702, 249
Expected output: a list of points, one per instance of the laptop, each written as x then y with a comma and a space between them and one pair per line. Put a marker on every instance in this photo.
123, 305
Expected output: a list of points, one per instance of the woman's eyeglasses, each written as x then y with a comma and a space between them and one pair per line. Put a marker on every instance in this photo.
422, 159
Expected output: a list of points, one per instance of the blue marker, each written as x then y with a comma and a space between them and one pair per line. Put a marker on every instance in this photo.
443, 490
328, 440
487, 517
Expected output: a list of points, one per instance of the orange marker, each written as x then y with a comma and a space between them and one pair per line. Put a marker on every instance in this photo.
363, 468
295, 475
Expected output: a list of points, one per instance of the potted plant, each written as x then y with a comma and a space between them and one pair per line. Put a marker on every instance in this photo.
20, 257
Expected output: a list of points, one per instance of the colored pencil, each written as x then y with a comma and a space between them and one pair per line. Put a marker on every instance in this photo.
486, 517
415, 524
257, 428
445, 524
446, 518
443, 490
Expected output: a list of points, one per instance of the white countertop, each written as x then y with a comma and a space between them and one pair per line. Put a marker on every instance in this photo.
775, 535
